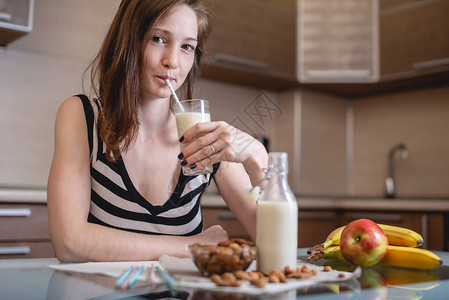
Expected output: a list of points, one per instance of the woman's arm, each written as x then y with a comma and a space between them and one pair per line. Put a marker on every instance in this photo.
243, 160
73, 238
233, 183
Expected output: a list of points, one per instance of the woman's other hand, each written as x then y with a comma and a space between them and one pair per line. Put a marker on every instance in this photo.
212, 235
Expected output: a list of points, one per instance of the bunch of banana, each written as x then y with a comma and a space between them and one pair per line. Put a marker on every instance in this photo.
397, 236
397, 256
402, 251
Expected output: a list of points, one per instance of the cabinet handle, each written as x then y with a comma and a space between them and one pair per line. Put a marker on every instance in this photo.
226, 215
15, 250
5, 17
424, 229
240, 61
15, 212
332, 74
432, 64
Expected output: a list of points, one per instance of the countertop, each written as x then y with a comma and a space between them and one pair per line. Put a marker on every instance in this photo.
23, 195
362, 203
17, 195
32, 279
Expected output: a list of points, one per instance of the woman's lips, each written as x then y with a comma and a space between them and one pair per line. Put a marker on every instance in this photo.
163, 78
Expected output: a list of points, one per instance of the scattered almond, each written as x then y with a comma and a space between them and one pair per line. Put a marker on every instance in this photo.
327, 269
274, 278
260, 283
228, 276
260, 279
242, 275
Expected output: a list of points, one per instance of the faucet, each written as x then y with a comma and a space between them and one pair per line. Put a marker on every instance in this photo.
389, 182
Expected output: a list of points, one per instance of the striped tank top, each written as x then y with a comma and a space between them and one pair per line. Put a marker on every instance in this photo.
116, 203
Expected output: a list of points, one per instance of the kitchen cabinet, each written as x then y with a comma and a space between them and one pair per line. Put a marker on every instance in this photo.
430, 225
338, 41
252, 42
412, 46
225, 218
316, 220
314, 226
24, 232
414, 38
16, 19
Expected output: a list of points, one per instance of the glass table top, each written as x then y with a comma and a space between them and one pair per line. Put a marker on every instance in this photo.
31, 279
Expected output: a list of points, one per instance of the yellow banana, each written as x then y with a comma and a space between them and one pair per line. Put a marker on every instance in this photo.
333, 253
334, 237
397, 236
330, 253
397, 256
408, 257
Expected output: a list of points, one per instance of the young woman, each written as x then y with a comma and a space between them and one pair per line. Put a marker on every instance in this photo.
116, 191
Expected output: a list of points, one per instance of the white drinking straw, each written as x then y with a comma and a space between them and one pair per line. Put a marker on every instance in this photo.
174, 94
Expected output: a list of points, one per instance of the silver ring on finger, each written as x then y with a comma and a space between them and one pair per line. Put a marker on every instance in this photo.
213, 149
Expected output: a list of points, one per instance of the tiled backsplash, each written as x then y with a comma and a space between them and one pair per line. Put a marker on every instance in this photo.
342, 146
418, 118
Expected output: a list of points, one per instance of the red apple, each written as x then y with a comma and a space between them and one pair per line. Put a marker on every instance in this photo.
363, 243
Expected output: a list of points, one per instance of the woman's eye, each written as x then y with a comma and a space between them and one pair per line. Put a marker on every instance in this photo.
157, 39
189, 48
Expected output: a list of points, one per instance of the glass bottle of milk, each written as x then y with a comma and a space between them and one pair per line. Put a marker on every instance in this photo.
277, 219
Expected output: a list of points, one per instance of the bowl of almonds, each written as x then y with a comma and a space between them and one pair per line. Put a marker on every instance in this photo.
227, 256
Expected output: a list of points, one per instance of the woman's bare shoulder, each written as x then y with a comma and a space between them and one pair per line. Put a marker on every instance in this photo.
70, 105
71, 110
70, 120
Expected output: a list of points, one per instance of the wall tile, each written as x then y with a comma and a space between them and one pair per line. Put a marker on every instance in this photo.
323, 144
33, 85
288, 135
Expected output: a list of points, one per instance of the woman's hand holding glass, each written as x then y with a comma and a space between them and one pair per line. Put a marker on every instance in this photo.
212, 142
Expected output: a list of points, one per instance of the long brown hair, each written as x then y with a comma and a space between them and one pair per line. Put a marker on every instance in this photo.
115, 71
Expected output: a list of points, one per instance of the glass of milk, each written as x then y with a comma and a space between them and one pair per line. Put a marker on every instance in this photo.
188, 114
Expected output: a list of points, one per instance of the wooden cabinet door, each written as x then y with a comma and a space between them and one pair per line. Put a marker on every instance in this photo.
225, 218
413, 37
15, 19
255, 36
26, 250
24, 231
434, 238
24, 222
315, 226
338, 41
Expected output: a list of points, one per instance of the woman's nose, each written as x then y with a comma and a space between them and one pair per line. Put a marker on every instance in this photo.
170, 59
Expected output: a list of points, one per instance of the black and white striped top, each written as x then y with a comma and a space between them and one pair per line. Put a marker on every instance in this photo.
116, 203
